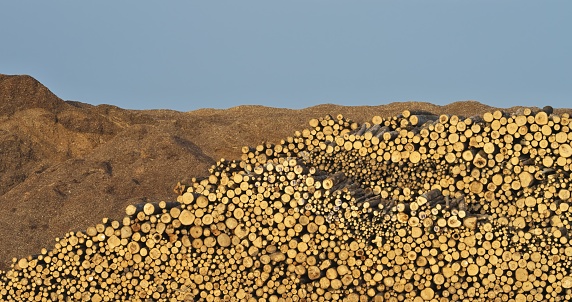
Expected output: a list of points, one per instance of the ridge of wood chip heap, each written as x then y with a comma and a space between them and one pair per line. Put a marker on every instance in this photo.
407, 208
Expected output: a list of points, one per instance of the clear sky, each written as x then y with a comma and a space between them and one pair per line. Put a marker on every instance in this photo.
185, 55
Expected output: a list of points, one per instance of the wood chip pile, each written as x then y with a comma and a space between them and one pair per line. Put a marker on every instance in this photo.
407, 208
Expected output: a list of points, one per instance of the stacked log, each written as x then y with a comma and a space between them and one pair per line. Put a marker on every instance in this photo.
413, 207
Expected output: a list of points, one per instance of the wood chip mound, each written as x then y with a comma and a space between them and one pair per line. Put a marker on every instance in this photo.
415, 207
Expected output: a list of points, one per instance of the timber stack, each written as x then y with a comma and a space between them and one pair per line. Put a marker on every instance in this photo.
413, 207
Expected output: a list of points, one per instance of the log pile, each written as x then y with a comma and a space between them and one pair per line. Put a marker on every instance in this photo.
414, 207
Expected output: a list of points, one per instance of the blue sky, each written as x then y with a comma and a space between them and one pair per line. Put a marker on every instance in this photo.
185, 55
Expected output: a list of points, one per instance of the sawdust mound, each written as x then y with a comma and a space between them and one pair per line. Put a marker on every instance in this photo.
66, 164
24, 92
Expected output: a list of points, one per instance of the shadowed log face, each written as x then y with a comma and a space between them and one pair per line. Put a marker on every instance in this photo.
442, 208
